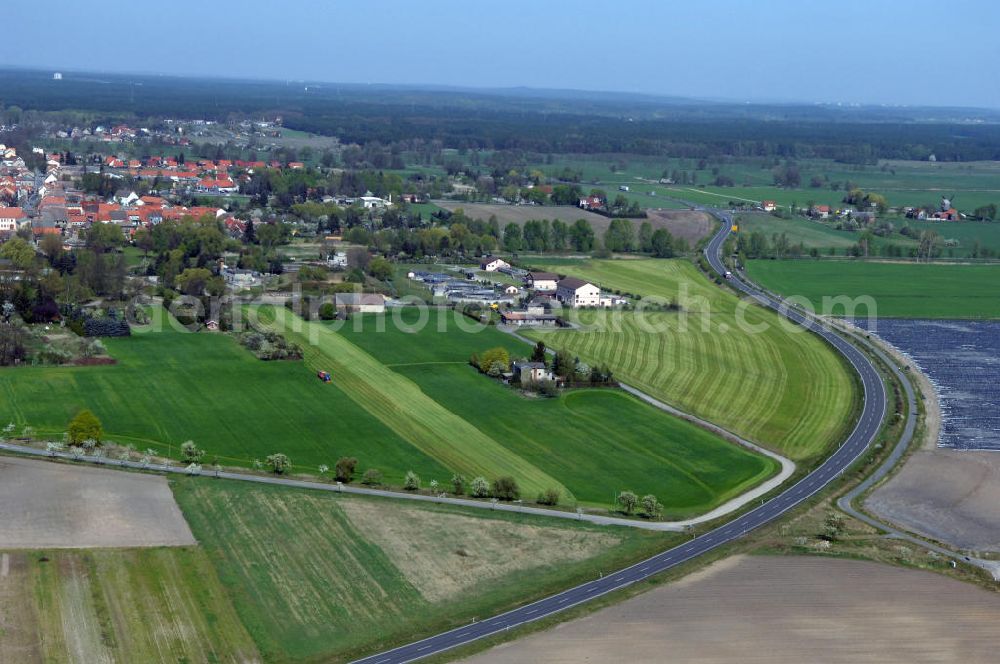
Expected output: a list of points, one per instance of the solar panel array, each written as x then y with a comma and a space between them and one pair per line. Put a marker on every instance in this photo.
962, 360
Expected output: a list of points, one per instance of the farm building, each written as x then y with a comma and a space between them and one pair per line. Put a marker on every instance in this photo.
531, 372
241, 278
492, 263
373, 202
527, 318
542, 281
575, 292
820, 211
768, 206
363, 303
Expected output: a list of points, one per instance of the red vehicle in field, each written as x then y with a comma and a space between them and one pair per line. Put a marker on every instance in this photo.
324, 376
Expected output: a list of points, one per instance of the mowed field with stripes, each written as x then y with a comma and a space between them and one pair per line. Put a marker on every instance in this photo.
727, 361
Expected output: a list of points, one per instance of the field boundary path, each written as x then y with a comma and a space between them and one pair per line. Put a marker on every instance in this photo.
867, 428
730, 506
342, 488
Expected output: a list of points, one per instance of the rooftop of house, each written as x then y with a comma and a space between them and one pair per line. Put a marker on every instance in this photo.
573, 283
355, 299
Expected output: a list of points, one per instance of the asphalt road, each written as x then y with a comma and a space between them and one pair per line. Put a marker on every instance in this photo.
854, 446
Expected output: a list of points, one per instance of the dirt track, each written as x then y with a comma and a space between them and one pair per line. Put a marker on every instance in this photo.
780, 610
52, 505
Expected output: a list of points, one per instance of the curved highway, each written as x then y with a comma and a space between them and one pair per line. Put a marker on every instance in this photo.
869, 423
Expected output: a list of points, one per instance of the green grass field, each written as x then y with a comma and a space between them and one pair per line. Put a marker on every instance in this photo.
399, 403
170, 386
595, 441
780, 386
900, 290
324, 577
118, 606
970, 184
823, 236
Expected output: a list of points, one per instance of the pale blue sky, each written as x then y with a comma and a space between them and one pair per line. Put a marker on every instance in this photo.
930, 52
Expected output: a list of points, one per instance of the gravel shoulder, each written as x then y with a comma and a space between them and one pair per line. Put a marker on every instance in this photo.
51, 505
780, 610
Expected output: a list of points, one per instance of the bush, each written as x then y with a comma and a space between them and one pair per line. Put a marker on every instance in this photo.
327, 311
372, 477
480, 488
412, 481
505, 488
627, 502
547, 388
458, 484
345, 468
651, 507
495, 360
106, 327
548, 497
190, 452
85, 426
279, 463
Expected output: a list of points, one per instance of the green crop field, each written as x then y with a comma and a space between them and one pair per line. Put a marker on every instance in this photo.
813, 234
118, 606
595, 441
171, 386
734, 364
823, 236
327, 577
429, 427
900, 290
969, 184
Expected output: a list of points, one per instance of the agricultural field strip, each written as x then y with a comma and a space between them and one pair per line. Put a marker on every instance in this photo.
320, 486
897, 289
404, 408
787, 465
691, 368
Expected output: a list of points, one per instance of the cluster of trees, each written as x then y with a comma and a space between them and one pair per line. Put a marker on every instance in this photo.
543, 235
757, 245
986, 212
458, 234
866, 200
38, 294
284, 188
787, 175
627, 502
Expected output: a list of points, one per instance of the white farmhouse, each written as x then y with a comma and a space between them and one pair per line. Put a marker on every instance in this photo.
542, 281
362, 303
574, 292
492, 263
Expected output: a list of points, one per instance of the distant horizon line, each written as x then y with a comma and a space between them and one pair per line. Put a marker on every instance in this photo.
499, 90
